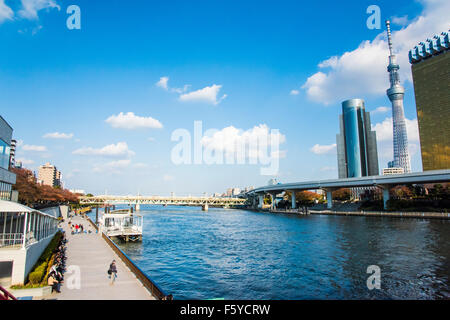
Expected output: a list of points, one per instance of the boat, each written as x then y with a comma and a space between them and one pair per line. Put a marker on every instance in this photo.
122, 224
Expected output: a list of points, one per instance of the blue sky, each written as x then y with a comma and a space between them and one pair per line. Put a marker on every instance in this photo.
283, 65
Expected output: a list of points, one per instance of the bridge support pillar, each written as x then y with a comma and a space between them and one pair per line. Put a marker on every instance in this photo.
260, 200
329, 199
138, 206
293, 200
205, 207
386, 196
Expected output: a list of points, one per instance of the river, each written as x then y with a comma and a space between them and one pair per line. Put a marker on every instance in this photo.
238, 254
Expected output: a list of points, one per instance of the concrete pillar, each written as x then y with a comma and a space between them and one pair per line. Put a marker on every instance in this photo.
205, 207
385, 197
294, 204
329, 199
272, 201
260, 200
138, 206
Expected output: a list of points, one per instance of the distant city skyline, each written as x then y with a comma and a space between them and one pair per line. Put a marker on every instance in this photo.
101, 103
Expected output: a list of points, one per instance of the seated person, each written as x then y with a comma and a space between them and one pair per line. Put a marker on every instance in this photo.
51, 281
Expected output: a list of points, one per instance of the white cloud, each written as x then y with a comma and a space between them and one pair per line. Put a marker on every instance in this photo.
255, 141
57, 135
119, 150
401, 21
131, 121
6, 12
30, 8
207, 95
324, 149
27, 147
385, 130
151, 139
163, 83
294, 92
380, 110
113, 166
362, 71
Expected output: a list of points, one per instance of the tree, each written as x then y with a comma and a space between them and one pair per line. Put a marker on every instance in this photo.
30, 192
343, 194
306, 198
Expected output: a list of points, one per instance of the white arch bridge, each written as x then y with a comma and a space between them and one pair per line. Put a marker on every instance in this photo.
203, 202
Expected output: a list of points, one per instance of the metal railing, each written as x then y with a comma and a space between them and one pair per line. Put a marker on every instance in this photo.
11, 239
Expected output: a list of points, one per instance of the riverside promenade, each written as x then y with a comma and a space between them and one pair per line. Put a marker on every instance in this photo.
93, 255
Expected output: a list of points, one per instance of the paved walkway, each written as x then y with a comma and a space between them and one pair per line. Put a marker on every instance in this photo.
93, 256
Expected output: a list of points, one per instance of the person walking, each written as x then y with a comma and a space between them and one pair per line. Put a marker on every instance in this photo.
112, 271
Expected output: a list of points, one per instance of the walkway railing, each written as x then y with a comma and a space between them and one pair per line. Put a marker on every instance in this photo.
11, 239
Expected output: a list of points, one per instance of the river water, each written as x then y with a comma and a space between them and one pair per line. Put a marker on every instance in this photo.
238, 254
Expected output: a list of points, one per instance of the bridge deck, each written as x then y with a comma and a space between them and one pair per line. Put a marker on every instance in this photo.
93, 255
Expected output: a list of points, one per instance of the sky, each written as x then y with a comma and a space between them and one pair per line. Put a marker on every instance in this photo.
110, 103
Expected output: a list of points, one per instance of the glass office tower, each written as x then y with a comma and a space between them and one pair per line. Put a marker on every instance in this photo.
356, 143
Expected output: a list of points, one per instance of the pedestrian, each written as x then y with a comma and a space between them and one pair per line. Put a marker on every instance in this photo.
112, 271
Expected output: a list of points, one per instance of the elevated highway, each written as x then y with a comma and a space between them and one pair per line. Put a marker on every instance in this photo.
382, 182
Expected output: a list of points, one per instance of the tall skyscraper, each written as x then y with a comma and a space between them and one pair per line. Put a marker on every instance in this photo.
430, 64
395, 94
357, 143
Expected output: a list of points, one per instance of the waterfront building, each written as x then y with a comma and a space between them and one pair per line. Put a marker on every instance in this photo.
430, 64
7, 178
357, 143
24, 235
49, 175
396, 93
392, 171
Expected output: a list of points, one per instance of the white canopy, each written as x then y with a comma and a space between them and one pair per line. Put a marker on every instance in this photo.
9, 206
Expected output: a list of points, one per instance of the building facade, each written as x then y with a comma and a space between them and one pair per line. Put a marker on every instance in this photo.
49, 175
357, 143
392, 171
7, 178
430, 64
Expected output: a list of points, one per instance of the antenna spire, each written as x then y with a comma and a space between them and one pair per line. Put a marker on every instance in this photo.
388, 27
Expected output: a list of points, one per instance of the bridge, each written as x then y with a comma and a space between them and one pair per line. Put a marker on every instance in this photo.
383, 182
203, 202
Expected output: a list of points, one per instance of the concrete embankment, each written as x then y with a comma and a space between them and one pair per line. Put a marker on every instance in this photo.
421, 215
416, 215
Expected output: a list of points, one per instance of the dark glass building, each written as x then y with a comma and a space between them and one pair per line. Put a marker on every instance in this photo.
431, 75
356, 143
7, 178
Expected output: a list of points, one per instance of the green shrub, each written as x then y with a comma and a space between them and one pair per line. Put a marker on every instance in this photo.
38, 274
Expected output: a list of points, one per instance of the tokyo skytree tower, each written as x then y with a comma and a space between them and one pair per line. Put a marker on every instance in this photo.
395, 94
